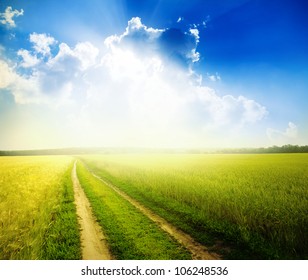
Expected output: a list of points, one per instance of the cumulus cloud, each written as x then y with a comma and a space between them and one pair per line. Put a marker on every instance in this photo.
7, 76
24, 89
288, 136
7, 18
81, 57
136, 36
170, 44
227, 109
29, 60
42, 43
140, 90
55, 77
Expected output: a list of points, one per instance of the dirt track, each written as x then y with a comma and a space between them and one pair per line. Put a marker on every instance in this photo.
93, 241
198, 251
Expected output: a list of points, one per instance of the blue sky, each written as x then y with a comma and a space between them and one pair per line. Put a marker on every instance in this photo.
194, 74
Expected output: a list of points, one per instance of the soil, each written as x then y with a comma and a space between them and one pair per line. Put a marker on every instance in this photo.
93, 241
198, 251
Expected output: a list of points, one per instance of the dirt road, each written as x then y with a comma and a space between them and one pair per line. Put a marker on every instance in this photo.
93, 241
198, 251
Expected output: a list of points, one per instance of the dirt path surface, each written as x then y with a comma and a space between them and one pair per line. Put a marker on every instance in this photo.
93, 241
198, 251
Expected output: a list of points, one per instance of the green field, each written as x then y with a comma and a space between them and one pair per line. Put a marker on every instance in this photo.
37, 213
256, 205
239, 206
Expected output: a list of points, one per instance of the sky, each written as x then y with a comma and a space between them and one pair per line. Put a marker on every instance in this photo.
153, 73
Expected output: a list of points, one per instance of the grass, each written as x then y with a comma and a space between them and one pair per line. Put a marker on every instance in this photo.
131, 235
257, 204
62, 239
37, 216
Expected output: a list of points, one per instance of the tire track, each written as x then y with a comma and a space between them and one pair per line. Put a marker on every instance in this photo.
198, 251
93, 241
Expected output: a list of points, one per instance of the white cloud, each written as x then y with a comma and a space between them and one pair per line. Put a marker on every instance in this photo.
214, 78
135, 24
171, 44
82, 57
87, 54
42, 43
24, 89
121, 96
29, 60
227, 109
289, 136
252, 111
136, 34
8, 15
53, 79
194, 55
7, 76
195, 32
291, 130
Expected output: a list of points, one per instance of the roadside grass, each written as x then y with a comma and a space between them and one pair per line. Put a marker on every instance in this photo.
130, 234
62, 239
33, 191
256, 204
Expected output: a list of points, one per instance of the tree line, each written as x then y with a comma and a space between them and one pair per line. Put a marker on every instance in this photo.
269, 150
76, 151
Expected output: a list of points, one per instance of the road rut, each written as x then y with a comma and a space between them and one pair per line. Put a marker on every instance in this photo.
93, 241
